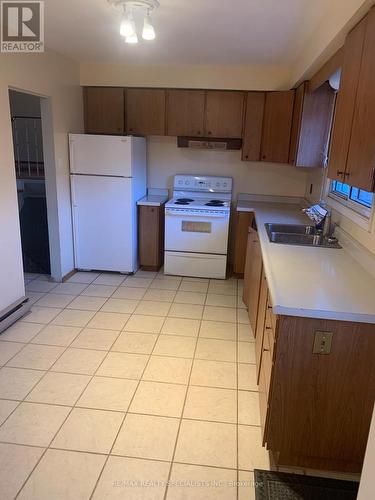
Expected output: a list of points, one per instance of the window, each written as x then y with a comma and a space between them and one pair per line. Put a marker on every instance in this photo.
357, 199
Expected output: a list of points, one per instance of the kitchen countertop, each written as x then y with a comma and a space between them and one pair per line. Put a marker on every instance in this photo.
153, 200
308, 281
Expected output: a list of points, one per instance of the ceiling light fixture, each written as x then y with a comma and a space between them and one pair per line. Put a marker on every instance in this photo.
140, 10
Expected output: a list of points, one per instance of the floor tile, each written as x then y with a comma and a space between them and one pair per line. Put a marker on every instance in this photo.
16, 383
145, 274
123, 365
161, 284
40, 286
144, 324
89, 430
183, 297
251, 454
33, 424
16, 463
214, 374
129, 478
108, 394
87, 303
188, 311
134, 282
108, 321
248, 408
81, 361
120, 305
246, 352
146, 436
207, 443
246, 490
153, 308
138, 343
216, 350
113, 279
70, 288
72, 317
179, 326
21, 332
193, 286
55, 300
174, 345
83, 277
166, 369
155, 398
129, 293
208, 403
6, 408
41, 315
59, 388
218, 330
202, 483
63, 475
56, 335
159, 295
38, 357
91, 338
34, 297
8, 350
243, 317
213, 313
195, 280
247, 377
245, 333
222, 288
220, 300
104, 291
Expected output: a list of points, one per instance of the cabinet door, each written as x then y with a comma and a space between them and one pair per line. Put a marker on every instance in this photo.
297, 120
104, 110
224, 114
252, 135
151, 237
247, 271
145, 111
346, 102
361, 160
277, 124
261, 321
254, 279
243, 222
185, 112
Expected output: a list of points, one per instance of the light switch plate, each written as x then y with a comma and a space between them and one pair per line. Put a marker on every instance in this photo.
322, 342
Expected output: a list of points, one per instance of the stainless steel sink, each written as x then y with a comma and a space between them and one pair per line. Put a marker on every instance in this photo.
299, 234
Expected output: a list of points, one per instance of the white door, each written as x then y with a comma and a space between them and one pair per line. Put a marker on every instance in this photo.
103, 223
100, 155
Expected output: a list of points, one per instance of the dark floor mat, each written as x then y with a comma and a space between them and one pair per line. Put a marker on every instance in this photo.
281, 486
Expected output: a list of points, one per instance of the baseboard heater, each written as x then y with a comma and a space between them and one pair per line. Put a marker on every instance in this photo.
217, 144
14, 312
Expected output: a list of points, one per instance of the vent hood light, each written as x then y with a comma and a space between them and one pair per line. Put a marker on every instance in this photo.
148, 29
127, 28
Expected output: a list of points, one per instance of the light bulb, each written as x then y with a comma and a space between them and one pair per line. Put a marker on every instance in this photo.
127, 28
132, 39
148, 32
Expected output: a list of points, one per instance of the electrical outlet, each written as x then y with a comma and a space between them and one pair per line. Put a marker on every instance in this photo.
322, 342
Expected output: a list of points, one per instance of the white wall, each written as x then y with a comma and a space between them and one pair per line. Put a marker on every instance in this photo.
56, 78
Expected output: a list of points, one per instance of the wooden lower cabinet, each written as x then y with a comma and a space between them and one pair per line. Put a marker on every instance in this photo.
151, 237
243, 222
316, 408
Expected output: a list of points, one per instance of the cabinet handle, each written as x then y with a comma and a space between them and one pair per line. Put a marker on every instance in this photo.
268, 328
340, 172
264, 157
199, 132
346, 174
269, 307
247, 157
266, 350
209, 132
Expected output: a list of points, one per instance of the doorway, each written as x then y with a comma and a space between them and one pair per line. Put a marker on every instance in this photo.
26, 117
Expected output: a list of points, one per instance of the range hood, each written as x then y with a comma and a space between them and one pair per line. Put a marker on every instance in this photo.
210, 143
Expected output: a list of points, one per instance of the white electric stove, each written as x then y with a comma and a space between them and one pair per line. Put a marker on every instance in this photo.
197, 226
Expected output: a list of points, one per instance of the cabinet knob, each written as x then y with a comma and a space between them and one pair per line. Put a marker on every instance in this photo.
209, 132
264, 157
199, 132
340, 172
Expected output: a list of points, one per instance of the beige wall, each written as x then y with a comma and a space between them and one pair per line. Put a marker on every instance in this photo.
55, 77
212, 77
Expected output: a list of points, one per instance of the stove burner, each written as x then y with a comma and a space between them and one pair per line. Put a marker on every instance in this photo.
181, 203
215, 204
184, 200
216, 201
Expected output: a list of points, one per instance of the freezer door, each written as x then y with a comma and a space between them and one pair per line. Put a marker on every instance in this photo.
100, 155
103, 220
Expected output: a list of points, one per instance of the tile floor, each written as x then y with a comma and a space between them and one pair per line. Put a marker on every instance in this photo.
139, 387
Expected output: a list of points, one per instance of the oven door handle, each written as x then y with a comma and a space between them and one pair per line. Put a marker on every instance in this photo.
205, 215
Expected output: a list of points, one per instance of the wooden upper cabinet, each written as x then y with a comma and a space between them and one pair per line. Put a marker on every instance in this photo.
277, 125
312, 118
185, 112
252, 134
104, 110
224, 114
346, 102
360, 170
145, 111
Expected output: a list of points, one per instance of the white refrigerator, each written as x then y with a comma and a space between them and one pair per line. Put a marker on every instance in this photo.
108, 176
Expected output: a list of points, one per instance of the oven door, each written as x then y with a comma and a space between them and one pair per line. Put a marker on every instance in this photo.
196, 233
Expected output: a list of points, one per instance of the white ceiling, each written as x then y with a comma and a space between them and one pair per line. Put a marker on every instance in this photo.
212, 32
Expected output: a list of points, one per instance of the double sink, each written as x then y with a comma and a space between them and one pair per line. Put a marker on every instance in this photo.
299, 234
